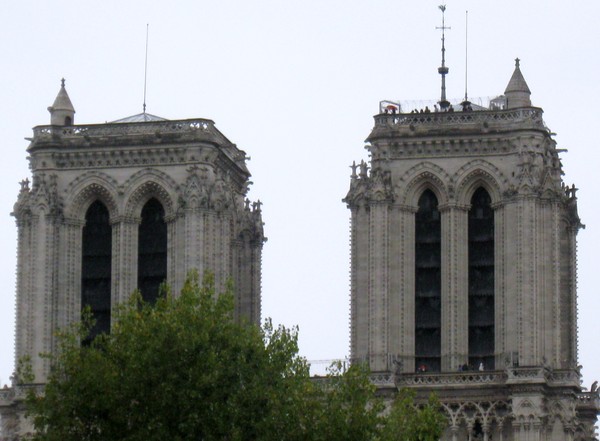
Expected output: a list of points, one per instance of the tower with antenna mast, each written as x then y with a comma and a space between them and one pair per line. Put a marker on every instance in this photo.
463, 267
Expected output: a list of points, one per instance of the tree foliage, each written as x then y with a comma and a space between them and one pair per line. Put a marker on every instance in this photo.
183, 369
407, 422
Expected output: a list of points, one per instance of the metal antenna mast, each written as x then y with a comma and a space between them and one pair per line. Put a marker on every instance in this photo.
443, 70
466, 104
146, 67
466, 51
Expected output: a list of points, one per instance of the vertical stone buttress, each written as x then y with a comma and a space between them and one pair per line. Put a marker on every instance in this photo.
39, 214
378, 285
370, 200
357, 201
246, 258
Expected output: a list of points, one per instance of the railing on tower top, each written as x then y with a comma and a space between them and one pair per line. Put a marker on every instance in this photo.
491, 117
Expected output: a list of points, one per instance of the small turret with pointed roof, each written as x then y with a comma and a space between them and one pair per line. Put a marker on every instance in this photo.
62, 112
517, 92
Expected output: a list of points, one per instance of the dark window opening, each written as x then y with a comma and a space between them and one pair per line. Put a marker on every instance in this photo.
428, 311
68, 121
481, 281
152, 250
96, 254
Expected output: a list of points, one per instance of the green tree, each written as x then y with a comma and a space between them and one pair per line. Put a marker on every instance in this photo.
349, 410
408, 422
183, 369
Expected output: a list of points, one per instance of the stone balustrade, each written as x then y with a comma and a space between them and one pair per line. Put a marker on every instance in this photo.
508, 376
123, 129
530, 117
451, 378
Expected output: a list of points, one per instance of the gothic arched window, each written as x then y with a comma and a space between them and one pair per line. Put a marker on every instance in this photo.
152, 250
428, 284
96, 252
481, 281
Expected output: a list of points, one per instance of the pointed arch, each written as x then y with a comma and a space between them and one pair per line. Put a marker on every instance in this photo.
423, 176
88, 188
479, 173
147, 184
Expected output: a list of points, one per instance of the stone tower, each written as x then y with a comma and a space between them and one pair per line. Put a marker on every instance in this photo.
463, 268
124, 205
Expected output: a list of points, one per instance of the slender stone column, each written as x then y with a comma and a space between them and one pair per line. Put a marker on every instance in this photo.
172, 255
246, 272
500, 304
508, 280
177, 239
455, 289
194, 239
125, 257
68, 307
255, 284
221, 233
571, 302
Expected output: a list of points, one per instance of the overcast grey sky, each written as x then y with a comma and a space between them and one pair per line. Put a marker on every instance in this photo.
295, 84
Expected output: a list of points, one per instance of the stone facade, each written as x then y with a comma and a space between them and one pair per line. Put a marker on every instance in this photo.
522, 381
200, 181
